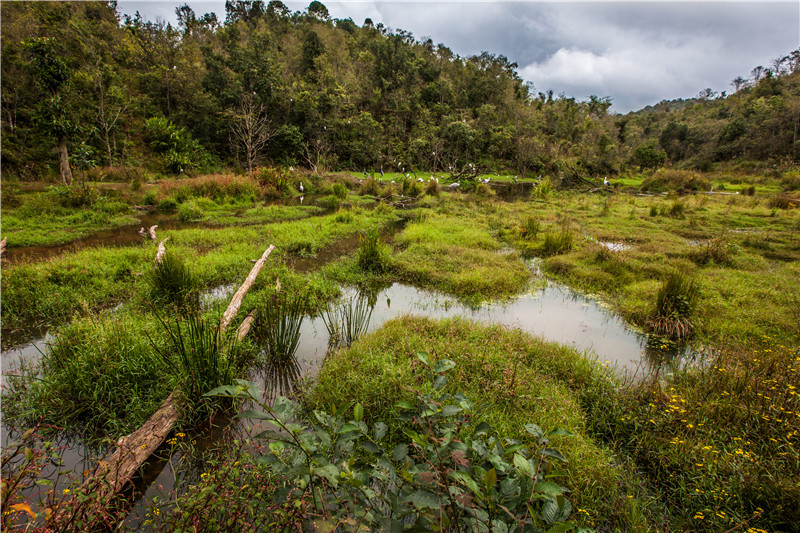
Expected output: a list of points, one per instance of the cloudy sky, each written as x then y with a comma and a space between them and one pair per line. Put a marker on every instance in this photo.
638, 53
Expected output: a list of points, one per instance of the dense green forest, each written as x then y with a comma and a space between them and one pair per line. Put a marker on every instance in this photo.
83, 85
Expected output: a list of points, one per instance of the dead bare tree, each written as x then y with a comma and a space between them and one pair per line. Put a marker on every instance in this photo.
250, 130
315, 154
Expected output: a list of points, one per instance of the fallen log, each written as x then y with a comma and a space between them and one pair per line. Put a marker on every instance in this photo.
3, 246
112, 475
236, 301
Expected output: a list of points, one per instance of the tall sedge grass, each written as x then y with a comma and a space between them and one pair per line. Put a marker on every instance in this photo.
373, 255
172, 282
199, 357
348, 321
675, 304
277, 323
556, 243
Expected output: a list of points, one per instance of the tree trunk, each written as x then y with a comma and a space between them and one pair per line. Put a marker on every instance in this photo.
66, 171
108, 148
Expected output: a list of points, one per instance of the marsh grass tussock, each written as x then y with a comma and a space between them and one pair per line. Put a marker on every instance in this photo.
172, 282
674, 307
199, 357
373, 256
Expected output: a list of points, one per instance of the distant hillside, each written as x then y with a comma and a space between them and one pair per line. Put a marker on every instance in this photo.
267, 85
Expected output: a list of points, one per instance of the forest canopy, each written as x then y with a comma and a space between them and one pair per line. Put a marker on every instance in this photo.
265, 85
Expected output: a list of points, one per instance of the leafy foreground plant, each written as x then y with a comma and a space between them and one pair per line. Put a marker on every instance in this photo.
455, 474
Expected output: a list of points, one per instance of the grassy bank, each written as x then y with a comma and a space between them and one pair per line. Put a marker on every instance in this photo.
516, 379
50, 293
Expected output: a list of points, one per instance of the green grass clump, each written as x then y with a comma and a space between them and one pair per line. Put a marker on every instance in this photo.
529, 228
200, 358
190, 211
515, 378
171, 282
100, 376
556, 242
373, 256
674, 309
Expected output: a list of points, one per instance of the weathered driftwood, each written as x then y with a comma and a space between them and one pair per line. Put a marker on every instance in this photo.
162, 250
244, 328
236, 301
112, 475
152, 232
3, 246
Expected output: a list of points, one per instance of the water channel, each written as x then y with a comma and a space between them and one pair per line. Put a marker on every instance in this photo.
553, 311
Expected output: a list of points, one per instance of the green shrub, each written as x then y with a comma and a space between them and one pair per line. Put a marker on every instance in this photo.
167, 205
150, 198
653, 211
189, 211
458, 474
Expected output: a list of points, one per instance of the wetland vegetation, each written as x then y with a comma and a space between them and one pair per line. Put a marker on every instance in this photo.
448, 175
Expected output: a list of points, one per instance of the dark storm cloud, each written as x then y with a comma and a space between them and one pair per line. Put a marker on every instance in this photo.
637, 53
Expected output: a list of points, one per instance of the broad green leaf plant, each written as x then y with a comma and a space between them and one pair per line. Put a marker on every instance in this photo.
452, 472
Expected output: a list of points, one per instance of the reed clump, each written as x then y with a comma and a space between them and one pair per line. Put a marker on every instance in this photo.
348, 321
557, 242
675, 304
373, 255
277, 323
200, 357
171, 282
530, 228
